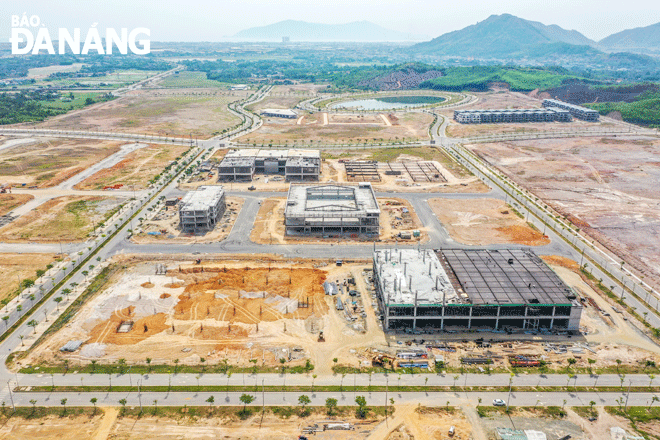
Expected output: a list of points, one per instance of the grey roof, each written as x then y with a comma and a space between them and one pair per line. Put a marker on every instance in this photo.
487, 277
202, 199
324, 200
404, 274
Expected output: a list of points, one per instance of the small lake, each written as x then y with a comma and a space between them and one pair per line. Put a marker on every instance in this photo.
388, 102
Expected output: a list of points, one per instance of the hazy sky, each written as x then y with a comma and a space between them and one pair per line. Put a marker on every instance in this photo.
211, 20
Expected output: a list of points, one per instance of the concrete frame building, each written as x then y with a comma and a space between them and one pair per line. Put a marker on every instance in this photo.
586, 114
549, 114
468, 289
332, 209
241, 165
279, 113
200, 210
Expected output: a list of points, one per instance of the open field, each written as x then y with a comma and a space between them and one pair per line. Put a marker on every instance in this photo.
269, 224
113, 80
62, 219
512, 100
164, 227
322, 128
8, 202
484, 222
136, 170
163, 112
285, 97
20, 266
601, 184
187, 79
49, 162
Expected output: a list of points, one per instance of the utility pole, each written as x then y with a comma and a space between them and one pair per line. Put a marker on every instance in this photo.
11, 396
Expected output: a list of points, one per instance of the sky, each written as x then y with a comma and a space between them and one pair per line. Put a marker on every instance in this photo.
214, 20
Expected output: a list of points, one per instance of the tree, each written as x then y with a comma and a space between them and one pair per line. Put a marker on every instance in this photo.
361, 402
654, 399
58, 300
246, 399
34, 405
93, 401
122, 402
63, 403
331, 404
176, 364
304, 401
210, 401
6, 319
149, 364
314, 376
33, 323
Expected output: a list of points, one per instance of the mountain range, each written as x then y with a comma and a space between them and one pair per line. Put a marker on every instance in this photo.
297, 31
498, 36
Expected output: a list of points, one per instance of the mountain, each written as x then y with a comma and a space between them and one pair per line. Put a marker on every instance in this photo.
358, 31
634, 39
504, 36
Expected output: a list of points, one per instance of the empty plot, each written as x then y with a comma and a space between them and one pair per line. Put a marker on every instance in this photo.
361, 171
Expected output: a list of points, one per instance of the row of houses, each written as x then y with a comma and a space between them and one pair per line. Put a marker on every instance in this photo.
549, 114
586, 114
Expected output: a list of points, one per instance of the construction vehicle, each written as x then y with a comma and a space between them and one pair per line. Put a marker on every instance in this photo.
321, 337
382, 360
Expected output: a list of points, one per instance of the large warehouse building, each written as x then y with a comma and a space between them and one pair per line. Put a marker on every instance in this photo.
549, 114
294, 165
200, 210
332, 209
471, 289
586, 114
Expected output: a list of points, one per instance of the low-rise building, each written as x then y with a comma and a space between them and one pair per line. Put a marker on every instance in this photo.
200, 210
241, 165
279, 113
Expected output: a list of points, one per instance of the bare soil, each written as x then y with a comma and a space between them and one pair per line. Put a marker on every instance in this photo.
62, 219
603, 185
313, 129
51, 161
20, 266
163, 112
484, 222
135, 170
8, 202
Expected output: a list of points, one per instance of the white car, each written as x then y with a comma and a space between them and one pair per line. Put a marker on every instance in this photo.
499, 402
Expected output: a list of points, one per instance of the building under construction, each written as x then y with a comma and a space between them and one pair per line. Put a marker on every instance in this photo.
200, 210
549, 114
586, 114
294, 165
332, 209
471, 289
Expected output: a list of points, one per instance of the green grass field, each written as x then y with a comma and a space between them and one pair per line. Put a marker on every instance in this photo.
187, 79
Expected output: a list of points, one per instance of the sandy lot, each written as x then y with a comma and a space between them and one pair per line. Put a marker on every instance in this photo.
50, 162
484, 222
135, 170
269, 224
62, 219
603, 185
285, 97
512, 100
166, 223
165, 112
21, 266
8, 202
313, 129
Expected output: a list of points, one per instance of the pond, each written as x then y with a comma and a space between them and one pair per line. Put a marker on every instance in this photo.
389, 102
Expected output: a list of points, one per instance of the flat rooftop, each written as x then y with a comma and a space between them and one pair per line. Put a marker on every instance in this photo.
408, 273
202, 199
324, 200
272, 153
279, 111
507, 276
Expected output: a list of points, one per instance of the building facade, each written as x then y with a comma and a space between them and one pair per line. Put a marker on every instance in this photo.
200, 210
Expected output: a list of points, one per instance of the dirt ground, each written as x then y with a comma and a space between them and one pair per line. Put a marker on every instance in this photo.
269, 224
135, 170
54, 427
412, 423
285, 97
62, 219
322, 127
164, 112
8, 202
229, 310
604, 186
50, 162
512, 100
166, 223
20, 266
484, 222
